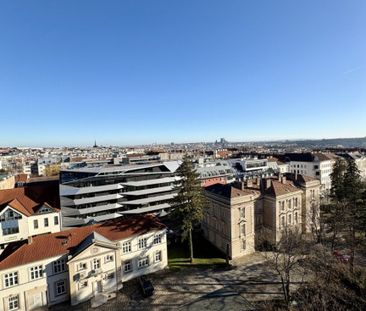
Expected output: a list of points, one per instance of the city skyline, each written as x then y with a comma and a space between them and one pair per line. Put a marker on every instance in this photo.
134, 73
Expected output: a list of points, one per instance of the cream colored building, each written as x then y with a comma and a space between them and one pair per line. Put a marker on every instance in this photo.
84, 263
21, 217
229, 219
240, 216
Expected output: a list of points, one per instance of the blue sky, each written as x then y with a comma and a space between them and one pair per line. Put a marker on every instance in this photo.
132, 72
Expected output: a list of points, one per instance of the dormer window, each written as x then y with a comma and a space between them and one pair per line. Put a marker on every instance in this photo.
10, 215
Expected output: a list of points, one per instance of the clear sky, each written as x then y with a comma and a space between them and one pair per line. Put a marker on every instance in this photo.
132, 72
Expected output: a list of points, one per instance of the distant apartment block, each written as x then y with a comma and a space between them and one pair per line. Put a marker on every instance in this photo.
97, 193
21, 217
80, 264
316, 165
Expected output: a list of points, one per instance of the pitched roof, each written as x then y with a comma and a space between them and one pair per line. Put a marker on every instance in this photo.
278, 188
64, 242
18, 200
228, 191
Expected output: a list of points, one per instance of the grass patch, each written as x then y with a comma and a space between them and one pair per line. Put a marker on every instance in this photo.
205, 254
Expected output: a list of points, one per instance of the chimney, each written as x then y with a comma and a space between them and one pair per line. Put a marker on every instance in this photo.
265, 183
268, 182
283, 179
249, 183
239, 185
30, 240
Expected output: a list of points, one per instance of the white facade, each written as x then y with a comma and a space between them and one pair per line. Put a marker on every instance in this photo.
320, 170
16, 226
96, 267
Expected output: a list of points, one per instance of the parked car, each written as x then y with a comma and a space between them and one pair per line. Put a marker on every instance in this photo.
146, 286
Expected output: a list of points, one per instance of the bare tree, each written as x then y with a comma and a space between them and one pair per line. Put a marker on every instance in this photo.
284, 256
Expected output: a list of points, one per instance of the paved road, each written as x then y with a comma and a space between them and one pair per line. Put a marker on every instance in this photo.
195, 288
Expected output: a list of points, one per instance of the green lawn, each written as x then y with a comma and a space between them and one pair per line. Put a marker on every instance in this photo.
205, 254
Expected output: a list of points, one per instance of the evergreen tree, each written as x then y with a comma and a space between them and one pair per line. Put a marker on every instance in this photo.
354, 206
189, 203
337, 190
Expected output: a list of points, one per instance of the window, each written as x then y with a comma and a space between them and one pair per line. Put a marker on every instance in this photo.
108, 258
283, 221
35, 224
127, 266
46, 222
83, 284
143, 262
242, 212
157, 239
96, 264
13, 303
243, 244
55, 220
126, 247
296, 218
142, 243
289, 219
11, 279
60, 287
289, 204
59, 266
36, 272
242, 229
295, 202
81, 266
282, 204
13, 230
111, 276
158, 257
10, 215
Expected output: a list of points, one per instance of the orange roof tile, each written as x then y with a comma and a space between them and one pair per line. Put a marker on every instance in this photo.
24, 203
278, 188
51, 245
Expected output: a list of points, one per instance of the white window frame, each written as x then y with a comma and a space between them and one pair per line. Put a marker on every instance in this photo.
157, 239
108, 258
13, 303
36, 272
142, 243
81, 266
96, 264
143, 262
60, 284
128, 264
126, 247
11, 278
158, 256
59, 266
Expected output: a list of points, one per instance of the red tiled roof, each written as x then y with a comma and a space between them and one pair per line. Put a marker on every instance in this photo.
21, 178
51, 245
19, 200
278, 188
228, 191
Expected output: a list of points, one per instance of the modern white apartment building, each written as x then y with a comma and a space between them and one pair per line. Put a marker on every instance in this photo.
21, 217
316, 165
79, 264
97, 193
